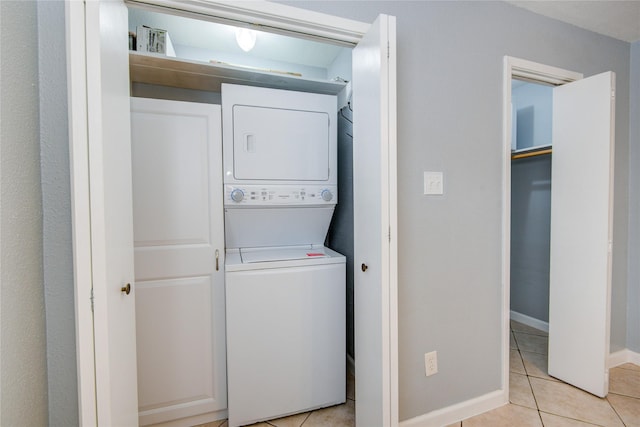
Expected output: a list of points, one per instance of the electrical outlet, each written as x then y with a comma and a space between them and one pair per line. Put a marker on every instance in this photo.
431, 363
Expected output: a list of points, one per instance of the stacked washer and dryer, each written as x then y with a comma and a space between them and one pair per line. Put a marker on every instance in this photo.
285, 291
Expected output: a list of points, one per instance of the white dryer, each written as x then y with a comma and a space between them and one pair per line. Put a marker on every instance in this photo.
285, 291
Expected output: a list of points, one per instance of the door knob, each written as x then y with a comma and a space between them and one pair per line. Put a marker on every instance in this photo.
364, 267
126, 289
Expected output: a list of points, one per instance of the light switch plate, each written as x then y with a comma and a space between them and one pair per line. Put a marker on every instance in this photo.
433, 183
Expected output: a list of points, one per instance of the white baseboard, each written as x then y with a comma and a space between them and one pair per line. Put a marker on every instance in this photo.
210, 417
623, 356
460, 411
615, 359
529, 321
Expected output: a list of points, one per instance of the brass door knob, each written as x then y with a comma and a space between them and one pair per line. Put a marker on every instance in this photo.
126, 289
364, 267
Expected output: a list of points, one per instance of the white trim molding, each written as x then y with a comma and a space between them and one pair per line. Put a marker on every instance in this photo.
530, 321
81, 212
460, 411
267, 16
539, 73
623, 356
531, 71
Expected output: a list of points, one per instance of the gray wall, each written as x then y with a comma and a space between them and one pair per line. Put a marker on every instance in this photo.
23, 368
56, 204
533, 114
530, 236
633, 297
340, 234
450, 59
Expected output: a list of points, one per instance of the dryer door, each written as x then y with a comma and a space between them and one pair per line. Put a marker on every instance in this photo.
280, 144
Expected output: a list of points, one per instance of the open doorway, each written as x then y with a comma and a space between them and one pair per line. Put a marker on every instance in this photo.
531, 158
271, 61
579, 223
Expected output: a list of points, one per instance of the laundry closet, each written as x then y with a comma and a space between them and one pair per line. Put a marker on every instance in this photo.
220, 216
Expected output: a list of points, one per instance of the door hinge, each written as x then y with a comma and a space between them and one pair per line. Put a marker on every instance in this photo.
388, 50
613, 94
91, 299
389, 234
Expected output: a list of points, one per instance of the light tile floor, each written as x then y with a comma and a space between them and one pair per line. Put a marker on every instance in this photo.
538, 400
335, 416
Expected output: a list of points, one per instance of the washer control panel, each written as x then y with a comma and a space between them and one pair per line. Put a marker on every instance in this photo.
279, 195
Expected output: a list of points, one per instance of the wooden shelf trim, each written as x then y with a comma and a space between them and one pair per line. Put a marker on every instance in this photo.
167, 71
533, 153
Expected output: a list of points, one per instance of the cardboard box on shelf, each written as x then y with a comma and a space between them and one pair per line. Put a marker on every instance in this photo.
154, 40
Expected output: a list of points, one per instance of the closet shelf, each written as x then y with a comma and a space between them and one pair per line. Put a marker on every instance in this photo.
531, 152
186, 74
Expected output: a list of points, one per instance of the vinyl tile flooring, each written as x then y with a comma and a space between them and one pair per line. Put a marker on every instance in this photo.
334, 416
537, 400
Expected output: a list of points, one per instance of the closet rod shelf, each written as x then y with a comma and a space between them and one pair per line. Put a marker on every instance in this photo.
186, 74
530, 152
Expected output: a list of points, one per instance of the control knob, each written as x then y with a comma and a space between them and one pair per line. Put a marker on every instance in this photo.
326, 195
237, 195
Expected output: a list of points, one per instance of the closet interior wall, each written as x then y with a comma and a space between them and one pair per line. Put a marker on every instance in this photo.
340, 235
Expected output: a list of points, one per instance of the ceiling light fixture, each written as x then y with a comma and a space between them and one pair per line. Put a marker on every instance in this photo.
245, 38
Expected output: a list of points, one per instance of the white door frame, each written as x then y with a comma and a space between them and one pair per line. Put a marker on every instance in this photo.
538, 73
81, 211
275, 17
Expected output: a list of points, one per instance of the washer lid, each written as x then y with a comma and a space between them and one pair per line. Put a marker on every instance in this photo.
251, 255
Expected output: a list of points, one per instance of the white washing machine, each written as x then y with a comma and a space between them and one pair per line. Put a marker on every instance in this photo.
285, 331
285, 291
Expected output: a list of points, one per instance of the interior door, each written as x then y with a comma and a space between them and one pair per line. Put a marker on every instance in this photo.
111, 219
374, 136
581, 232
179, 258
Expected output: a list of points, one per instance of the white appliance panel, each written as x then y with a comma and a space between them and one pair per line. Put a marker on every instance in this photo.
280, 195
282, 226
285, 340
278, 137
280, 144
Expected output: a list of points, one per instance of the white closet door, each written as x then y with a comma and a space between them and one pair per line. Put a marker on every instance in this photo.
102, 219
581, 232
374, 135
179, 248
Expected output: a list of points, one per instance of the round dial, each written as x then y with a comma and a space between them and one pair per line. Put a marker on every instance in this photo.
326, 195
237, 195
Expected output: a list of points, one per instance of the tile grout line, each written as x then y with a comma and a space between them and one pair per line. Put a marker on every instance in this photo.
526, 372
569, 418
615, 411
531, 388
305, 420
